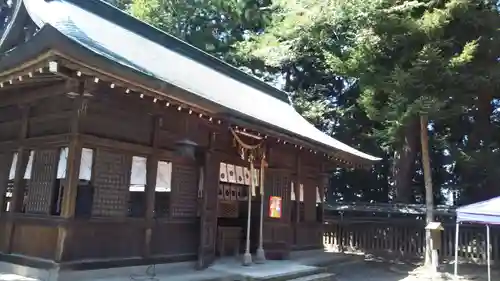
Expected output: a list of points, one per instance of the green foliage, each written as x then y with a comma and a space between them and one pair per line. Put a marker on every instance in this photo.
408, 58
394, 50
363, 71
121, 4
211, 25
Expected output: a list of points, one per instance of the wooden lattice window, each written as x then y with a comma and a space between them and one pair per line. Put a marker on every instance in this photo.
184, 202
24, 181
302, 212
42, 183
111, 184
163, 189
319, 204
84, 188
301, 204
85, 193
278, 184
137, 187
310, 201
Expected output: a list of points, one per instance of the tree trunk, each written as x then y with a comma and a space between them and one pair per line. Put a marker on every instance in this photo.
429, 195
404, 162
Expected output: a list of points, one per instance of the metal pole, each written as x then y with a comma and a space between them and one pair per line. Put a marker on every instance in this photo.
247, 257
488, 250
457, 229
261, 255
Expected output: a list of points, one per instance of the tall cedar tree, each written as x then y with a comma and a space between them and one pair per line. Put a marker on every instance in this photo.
364, 71
408, 58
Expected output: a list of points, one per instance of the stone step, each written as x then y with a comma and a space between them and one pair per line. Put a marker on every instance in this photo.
316, 277
292, 276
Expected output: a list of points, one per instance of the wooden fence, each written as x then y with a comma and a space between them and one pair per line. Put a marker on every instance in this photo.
405, 237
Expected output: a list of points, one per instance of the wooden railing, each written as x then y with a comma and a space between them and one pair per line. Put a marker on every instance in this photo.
405, 237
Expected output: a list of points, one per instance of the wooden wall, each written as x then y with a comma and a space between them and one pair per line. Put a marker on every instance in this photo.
127, 125
277, 238
118, 127
307, 228
40, 125
10, 121
130, 119
48, 116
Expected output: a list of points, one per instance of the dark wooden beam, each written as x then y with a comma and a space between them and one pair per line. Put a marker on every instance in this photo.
22, 160
323, 183
151, 172
72, 170
296, 186
31, 94
74, 157
36, 142
48, 118
164, 90
19, 183
93, 141
208, 215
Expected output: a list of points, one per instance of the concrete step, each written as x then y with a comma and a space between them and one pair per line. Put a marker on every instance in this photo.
316, 277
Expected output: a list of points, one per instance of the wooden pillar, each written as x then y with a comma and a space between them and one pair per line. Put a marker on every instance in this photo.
310, 198
324, 184
5, 164
150, 189
19, 183
324, 179
296, 190
298, 182
208, 218
72, 171
22, 161
326, 170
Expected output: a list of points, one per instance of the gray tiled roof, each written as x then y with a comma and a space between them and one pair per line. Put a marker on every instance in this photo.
101, 29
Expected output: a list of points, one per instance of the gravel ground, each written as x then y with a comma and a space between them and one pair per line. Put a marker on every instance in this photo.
382, 271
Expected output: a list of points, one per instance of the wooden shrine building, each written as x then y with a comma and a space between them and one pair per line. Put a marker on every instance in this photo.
122, 145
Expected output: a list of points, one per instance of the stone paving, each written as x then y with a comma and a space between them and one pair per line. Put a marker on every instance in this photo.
14, 277
360, 268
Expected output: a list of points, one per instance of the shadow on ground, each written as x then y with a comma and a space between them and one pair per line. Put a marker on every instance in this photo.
376, 268
371, 269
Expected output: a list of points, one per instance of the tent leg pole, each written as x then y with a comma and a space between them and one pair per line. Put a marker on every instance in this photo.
488, 250
457, 229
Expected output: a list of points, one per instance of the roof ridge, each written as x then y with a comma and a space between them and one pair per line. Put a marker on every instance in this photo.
89, 35
129, 22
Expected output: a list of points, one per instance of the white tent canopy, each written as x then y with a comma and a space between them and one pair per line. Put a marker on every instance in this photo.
485, 212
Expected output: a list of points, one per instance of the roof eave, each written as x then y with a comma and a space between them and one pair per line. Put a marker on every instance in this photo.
49, 43
271, 129
108, 11
28, 52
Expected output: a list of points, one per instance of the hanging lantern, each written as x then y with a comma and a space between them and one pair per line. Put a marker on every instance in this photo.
186, 148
